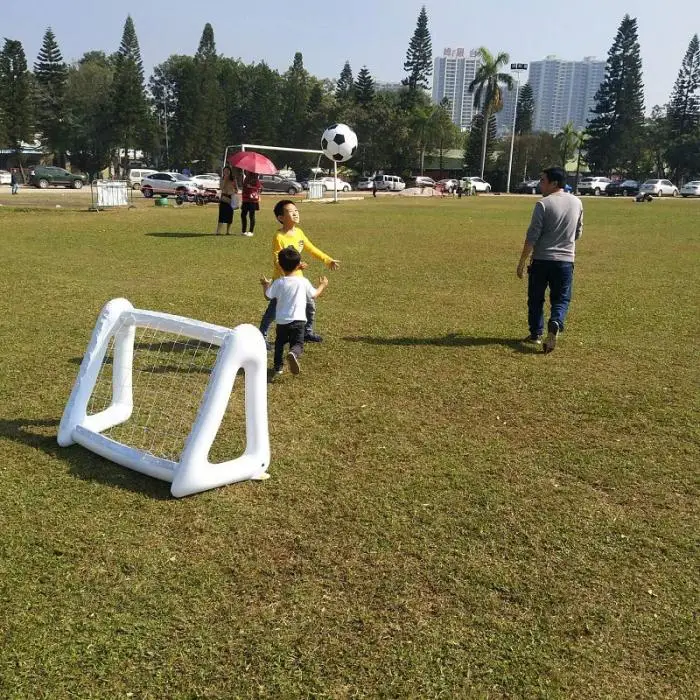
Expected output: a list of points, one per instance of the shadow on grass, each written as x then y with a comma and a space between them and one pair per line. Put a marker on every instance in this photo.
449, 340
183, 234
83, 464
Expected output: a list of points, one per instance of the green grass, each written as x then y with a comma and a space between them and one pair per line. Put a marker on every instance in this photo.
449, 514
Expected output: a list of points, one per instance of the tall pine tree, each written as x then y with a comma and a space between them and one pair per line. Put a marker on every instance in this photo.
525, 110
16, 103
130, 111
51, 74
344, 86
683, 117
615, 132
294, 127
419, 57
364, 87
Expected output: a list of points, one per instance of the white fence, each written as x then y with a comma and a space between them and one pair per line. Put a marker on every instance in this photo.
109, 193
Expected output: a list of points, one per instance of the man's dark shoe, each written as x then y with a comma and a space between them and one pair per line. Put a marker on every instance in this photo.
313, 338
552, 334
532, 340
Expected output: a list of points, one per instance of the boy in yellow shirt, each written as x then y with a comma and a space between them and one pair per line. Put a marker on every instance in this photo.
290, 235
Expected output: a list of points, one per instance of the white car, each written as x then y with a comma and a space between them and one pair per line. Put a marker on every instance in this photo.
475, 184
208, 181
136, 175
168, 183
593, 185
691, 189
659, 188
364, 183
329, 184
5, 177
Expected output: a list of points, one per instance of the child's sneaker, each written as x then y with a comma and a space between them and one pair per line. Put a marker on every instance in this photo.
293, 363
552, 334
532, 340
278, 370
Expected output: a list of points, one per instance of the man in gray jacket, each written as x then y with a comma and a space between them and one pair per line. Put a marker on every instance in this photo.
556, 225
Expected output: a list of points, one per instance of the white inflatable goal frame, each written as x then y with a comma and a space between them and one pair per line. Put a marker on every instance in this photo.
241, 347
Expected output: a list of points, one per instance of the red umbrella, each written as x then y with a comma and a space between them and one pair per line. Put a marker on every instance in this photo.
252, 162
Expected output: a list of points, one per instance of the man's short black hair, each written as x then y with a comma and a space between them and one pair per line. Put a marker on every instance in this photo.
279, 207
556, 175
289, 259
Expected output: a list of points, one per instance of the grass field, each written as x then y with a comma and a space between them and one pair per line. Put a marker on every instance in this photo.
450, 515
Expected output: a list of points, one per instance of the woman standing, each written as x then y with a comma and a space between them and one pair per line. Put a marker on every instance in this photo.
250, 202
229, 188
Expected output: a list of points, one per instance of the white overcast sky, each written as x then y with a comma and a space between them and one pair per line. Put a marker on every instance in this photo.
374, 33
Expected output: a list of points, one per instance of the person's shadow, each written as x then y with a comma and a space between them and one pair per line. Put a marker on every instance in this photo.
449, 340
82, 463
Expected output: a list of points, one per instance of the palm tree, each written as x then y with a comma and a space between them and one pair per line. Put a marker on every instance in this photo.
568, 140
486, 87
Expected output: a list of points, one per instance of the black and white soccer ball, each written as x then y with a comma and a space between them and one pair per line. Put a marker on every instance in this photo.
339, 142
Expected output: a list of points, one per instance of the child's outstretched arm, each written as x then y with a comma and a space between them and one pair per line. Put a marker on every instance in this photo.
317, 253
265, 285
322, 284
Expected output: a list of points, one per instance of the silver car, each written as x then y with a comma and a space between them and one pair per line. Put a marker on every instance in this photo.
691, 189
277, 183
167, 183
659, 188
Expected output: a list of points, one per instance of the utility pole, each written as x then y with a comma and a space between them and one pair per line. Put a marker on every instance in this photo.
516, 68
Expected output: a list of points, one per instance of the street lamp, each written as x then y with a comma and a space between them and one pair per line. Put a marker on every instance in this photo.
516, 68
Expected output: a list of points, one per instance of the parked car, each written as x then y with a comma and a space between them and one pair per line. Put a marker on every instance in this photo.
136, 175
691, 189
627, 188
44, 176
392, 183
659, 188
5, 177
422, 181
276, 183
168, 183
365, 183
208, 181
593, 185
448, 183
329, 184
529, 187
475, 184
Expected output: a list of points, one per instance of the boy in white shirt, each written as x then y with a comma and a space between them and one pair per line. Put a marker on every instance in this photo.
292, 293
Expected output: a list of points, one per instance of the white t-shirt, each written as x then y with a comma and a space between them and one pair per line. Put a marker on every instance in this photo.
292, 293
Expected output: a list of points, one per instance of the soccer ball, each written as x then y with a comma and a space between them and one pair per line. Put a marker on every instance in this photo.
339, 142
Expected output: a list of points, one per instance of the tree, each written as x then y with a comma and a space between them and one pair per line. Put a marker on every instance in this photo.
364, 87
51, 75
473, 152
616, 130
294, 127
568, 141
419, 57
443, 132
344, 86
683, 152
525, 110
130, 109
89, 137
16, 102
486, 87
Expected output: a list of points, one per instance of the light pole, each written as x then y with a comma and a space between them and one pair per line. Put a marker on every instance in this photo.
165, 123
516, 68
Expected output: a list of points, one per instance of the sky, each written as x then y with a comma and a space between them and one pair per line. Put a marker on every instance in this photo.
372, 33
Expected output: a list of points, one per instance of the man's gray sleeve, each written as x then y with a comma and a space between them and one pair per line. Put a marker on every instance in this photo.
534, 231
579, 226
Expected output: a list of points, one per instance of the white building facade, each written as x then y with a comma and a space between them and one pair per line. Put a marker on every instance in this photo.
452, 74
564, 91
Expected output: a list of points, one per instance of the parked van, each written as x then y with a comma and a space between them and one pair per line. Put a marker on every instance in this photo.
136, 175
392, 183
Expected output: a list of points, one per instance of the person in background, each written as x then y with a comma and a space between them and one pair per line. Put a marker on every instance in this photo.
14, 181
250, 202
229, 190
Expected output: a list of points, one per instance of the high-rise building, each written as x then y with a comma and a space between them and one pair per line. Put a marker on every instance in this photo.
564, 91
504, 117
452, 74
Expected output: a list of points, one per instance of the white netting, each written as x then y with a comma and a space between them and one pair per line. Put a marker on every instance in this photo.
169, 376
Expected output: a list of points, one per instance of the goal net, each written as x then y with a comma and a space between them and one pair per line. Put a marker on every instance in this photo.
153, 390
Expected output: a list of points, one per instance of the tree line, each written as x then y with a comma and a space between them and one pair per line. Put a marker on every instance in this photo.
100, 110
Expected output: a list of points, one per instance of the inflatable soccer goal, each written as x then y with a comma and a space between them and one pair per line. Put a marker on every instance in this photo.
153, 389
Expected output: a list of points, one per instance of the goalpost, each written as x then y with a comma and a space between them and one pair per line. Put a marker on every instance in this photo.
152, 391
243, 146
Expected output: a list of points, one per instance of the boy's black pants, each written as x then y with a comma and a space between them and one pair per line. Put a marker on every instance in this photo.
292, 333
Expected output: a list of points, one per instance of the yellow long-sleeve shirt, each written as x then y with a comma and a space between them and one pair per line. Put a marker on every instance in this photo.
298, 240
